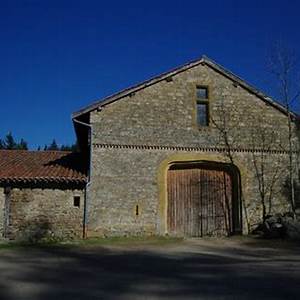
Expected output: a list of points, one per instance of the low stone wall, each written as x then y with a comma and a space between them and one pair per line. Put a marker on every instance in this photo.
37, 213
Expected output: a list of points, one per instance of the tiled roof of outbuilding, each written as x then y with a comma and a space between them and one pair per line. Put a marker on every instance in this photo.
21, 166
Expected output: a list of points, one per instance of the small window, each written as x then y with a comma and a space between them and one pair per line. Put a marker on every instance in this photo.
76, 201
202, 93
202, 106
202, 114
137, 212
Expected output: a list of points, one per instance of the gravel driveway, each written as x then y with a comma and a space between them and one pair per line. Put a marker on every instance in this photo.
193, 269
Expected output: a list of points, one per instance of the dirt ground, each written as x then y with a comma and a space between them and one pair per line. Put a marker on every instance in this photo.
193, 269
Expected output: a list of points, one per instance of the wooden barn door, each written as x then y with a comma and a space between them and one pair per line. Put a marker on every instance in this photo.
199, 202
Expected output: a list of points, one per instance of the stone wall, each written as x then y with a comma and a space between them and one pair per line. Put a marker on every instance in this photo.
165, 114
134, 139
138, 177
37, 213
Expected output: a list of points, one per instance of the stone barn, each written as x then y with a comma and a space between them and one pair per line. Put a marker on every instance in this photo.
193, 152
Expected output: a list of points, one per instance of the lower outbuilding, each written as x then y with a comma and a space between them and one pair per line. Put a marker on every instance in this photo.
41, 194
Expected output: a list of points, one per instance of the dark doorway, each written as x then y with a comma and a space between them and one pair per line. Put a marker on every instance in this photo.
203, 199
7, 192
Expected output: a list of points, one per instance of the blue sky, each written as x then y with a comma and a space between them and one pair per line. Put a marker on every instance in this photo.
58, 56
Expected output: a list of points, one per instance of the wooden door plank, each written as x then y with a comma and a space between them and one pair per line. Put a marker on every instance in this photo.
199, 202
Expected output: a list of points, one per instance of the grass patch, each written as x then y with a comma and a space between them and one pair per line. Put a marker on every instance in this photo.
152, 240
15, 245
94, 242
8, 245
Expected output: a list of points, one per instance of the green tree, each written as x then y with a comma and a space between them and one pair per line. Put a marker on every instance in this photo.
9, 142
22, 145
53, 146
64, 147
72, 148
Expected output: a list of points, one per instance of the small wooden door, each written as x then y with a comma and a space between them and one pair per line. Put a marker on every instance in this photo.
199, 201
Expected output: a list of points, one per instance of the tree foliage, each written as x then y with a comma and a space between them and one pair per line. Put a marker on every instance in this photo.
9, 143
53, 146
72, 148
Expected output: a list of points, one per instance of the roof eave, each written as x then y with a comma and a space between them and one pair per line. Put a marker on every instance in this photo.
243, 83
116, 96
42, 180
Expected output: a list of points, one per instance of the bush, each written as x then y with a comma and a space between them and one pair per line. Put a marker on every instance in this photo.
279, 226
37, 231
272, 227
292, 227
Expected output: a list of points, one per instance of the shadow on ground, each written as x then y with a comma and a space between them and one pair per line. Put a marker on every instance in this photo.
194, 270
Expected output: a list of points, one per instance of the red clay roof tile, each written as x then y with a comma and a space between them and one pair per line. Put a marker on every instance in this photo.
41, 166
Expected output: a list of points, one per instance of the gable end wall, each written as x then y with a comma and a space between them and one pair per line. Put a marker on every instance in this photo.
135, 136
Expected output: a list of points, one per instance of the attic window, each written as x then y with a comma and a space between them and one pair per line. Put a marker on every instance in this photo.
202, 106
202, 93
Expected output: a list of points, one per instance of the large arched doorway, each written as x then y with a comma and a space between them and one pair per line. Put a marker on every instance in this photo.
203, 199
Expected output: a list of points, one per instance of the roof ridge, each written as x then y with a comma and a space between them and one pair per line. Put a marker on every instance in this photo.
96, 103
155, 79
